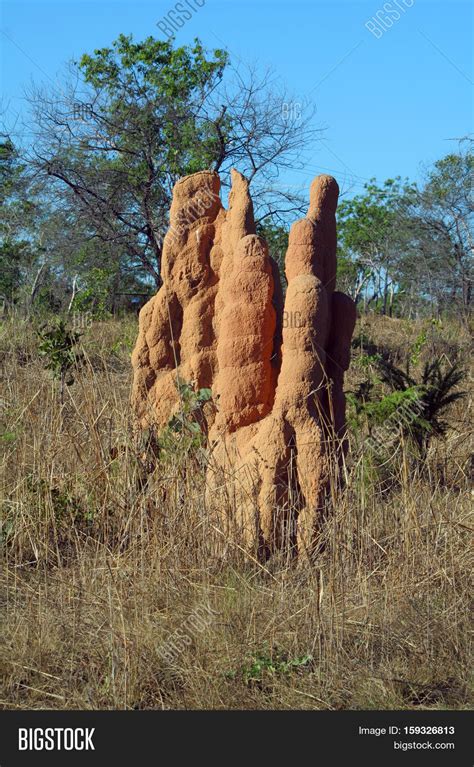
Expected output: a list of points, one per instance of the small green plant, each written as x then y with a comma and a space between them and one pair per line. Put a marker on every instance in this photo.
377, 412
412, 406
58, 346
270, 663
8, 437
186, 430
436, 387
191, 404
94, 297
416, 349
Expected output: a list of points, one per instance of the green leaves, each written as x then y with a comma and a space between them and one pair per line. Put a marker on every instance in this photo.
425, 398
204, 395
374, 230
147, 92
58, 347
94, 298
276, 237
369, 220
185, 431
268, 664
152, 62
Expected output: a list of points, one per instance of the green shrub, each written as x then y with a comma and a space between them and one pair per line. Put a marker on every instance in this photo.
58, 347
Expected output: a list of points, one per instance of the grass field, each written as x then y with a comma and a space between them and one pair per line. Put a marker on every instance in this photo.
112, 596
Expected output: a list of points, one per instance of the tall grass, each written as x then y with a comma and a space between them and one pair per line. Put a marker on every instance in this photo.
108, 554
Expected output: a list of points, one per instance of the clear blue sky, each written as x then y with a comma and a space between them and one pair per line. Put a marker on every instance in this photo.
388, 103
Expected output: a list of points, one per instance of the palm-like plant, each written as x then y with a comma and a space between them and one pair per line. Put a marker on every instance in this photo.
437, 389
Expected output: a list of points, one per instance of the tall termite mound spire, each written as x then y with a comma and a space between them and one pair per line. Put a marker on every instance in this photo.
276, 372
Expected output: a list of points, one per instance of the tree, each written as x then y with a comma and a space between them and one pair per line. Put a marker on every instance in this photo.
410, 244
372, 233
441, 215
137, 117
20, 247
276, 237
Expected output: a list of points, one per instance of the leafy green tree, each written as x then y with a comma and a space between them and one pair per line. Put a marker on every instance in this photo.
442, 229
411, 246
373, 230
16, 247
141, 115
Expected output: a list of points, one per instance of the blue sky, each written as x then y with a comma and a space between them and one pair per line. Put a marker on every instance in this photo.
388, 102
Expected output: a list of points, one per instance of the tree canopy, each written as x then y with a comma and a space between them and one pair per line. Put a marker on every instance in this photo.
85, 203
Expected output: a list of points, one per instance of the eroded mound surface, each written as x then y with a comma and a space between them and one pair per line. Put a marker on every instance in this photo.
275, 370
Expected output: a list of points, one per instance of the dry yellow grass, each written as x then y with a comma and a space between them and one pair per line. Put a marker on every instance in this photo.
103, 563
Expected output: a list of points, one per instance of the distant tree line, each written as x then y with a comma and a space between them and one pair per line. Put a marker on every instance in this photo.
406, 249
84, 205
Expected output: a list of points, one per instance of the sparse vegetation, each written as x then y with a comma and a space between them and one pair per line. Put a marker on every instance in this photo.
58, 345
107, 544
105, 559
